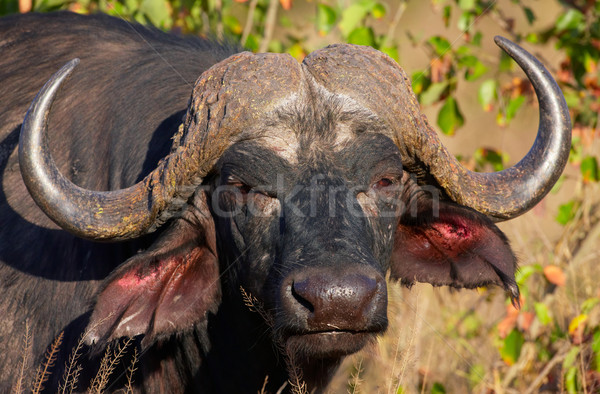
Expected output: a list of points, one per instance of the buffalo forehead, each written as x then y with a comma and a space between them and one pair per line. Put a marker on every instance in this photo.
247, 90
370, 78
329, 124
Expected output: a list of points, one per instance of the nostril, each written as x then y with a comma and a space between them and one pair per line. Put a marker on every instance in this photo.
322, 299
299, 292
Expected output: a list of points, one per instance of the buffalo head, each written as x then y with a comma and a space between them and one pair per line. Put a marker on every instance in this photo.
304, 185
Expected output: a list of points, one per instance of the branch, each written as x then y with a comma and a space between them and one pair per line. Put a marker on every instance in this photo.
392, 29
269, 25
249, 21
25, 6
219, 12
558, 358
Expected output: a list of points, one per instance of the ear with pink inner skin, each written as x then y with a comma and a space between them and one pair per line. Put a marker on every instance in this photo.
455, 246
168, 288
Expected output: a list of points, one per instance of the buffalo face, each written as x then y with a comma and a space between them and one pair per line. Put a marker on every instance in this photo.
312, 231
309, 225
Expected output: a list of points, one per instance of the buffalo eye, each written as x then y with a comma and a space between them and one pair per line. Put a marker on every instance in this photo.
382, 183
243, 188
247, 191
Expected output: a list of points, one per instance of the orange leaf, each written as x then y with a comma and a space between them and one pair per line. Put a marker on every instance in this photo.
286, 4
525, 320
509, 322
506, 325
555, 275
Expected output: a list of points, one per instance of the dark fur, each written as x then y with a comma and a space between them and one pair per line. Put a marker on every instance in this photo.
113, 121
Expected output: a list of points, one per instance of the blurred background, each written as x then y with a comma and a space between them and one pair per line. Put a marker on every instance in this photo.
486, 113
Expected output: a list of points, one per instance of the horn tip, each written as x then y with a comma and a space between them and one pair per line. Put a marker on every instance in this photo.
71, 64
502, 42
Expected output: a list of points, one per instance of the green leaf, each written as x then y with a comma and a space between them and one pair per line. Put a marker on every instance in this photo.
275, 46
532, 38
513, 106
476, 375
391, 52
576, 155
8, 7
465, 21
438, 388
157, 12
571, 375
286, 22
529, 15
433, 93
362, 36
526, 271
556, 188
49, 5
493, 157
326, 17
419, 81
440, 45
351, 17
121, 9
487, 94
570, 20
466, 5
589, 169
506, 62
566, 212
252, 43
511, 349
232, 24
589, 304
447, 13
475, 71
450, 118
378, 11
596, 349
543, 313
297, 52
571, 357
571, 381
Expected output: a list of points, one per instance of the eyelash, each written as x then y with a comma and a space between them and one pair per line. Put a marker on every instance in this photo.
242, 187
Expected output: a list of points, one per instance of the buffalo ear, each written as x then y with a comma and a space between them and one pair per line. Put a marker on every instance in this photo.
166, 289
453, 246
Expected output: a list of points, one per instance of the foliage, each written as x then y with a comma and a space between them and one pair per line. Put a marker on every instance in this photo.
553, 340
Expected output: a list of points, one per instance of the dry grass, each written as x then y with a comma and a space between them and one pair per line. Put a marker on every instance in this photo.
112, 356
73, 367
296, 381
43, 371
25, 354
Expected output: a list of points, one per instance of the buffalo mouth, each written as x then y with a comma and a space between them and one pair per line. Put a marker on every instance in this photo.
329, 343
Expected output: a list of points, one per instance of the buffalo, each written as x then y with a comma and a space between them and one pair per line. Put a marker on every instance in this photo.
240, 228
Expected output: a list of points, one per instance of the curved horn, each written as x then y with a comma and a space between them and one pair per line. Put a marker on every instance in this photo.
376, 82
91, 214
227, 100
509, 193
